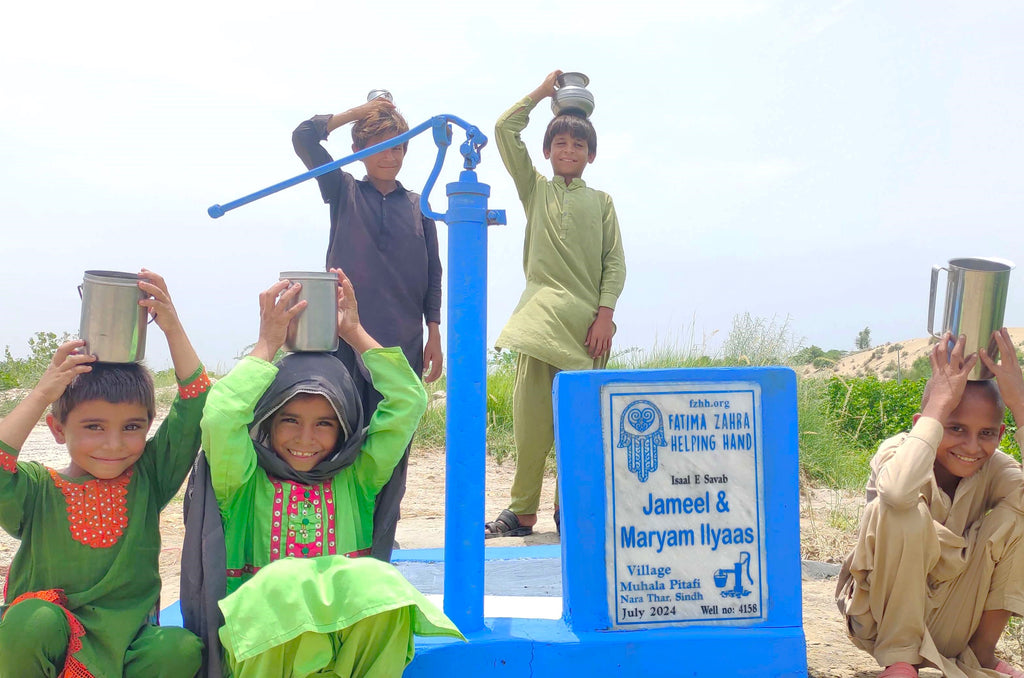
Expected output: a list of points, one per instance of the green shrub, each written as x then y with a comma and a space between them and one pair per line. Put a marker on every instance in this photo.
430, 433
866, 411
841, 421
501, 368
25, 372
870, 410
827, 456
759, 341
919, 369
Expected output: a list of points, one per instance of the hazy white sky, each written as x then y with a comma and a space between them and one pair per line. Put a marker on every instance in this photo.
782, 158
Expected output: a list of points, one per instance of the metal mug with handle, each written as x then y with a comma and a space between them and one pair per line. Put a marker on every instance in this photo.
112, 323
976, 290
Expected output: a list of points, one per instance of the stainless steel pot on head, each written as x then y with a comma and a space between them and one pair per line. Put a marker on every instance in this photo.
976, 290
572, 96
316, 326
112, 323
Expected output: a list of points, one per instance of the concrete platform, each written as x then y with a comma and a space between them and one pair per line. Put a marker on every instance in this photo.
520, 581
525, 636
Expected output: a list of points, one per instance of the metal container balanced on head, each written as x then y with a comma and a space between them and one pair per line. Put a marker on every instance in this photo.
316, 327
572, 96
113, 324
976, 290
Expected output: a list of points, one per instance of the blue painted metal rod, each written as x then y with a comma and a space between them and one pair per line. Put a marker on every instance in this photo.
466, 425
216, 211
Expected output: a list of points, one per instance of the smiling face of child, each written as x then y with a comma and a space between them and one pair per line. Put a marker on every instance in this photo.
384, 165
970, 437
103, 439
569, 156
304, 431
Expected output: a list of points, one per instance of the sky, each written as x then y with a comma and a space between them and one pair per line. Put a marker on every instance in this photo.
807, 162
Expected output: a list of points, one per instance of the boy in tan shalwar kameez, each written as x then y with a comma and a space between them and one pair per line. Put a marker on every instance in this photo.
939, 566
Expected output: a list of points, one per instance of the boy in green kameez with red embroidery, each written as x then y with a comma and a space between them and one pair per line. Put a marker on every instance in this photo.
85, 581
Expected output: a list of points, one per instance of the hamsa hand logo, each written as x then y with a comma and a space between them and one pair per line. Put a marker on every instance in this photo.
641, 432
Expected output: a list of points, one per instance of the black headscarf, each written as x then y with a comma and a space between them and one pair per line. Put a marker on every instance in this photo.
203, 556
310, 373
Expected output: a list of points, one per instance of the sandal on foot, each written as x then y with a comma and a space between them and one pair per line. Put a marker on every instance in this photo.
506, 525
1008, 669
899, 670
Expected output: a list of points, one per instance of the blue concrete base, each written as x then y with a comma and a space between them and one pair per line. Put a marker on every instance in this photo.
514, 648
540, 648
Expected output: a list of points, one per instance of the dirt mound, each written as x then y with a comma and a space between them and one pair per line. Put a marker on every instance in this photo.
887, 360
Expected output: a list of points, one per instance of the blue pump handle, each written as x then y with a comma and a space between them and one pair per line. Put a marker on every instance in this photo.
440, 125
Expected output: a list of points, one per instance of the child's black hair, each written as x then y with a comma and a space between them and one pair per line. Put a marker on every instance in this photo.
576, 126
112, 382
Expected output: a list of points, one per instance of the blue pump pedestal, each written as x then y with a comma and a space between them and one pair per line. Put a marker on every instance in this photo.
755, 437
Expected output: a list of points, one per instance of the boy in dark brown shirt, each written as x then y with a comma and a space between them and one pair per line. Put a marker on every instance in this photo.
389, 251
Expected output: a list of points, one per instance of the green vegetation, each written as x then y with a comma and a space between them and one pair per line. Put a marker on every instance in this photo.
23, 373
841, 420
867, 410
827, 455
817, 357
501, 374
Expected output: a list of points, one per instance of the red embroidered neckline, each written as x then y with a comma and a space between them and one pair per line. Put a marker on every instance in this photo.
321, 497
97, 509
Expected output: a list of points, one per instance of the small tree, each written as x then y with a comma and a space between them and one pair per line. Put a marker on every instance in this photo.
863, 339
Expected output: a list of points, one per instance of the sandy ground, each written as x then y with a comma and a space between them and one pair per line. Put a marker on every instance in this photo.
827, 521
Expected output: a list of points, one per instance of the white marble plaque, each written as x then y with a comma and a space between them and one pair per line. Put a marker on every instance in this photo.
685, 519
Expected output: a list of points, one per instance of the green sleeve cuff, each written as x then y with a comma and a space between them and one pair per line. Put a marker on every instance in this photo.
388, 355
195, 375
7, 449
608, 299
257, 364
250, 378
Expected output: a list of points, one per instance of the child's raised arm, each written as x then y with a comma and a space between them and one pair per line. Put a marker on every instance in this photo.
186, 361
546, 88
1007, 373
66, 364
171, 451
350, 329
229, 408
358, 113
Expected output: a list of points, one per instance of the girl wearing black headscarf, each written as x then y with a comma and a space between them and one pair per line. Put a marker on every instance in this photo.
294, 471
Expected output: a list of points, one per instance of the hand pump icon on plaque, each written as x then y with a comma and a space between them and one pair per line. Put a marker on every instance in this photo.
722, 575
